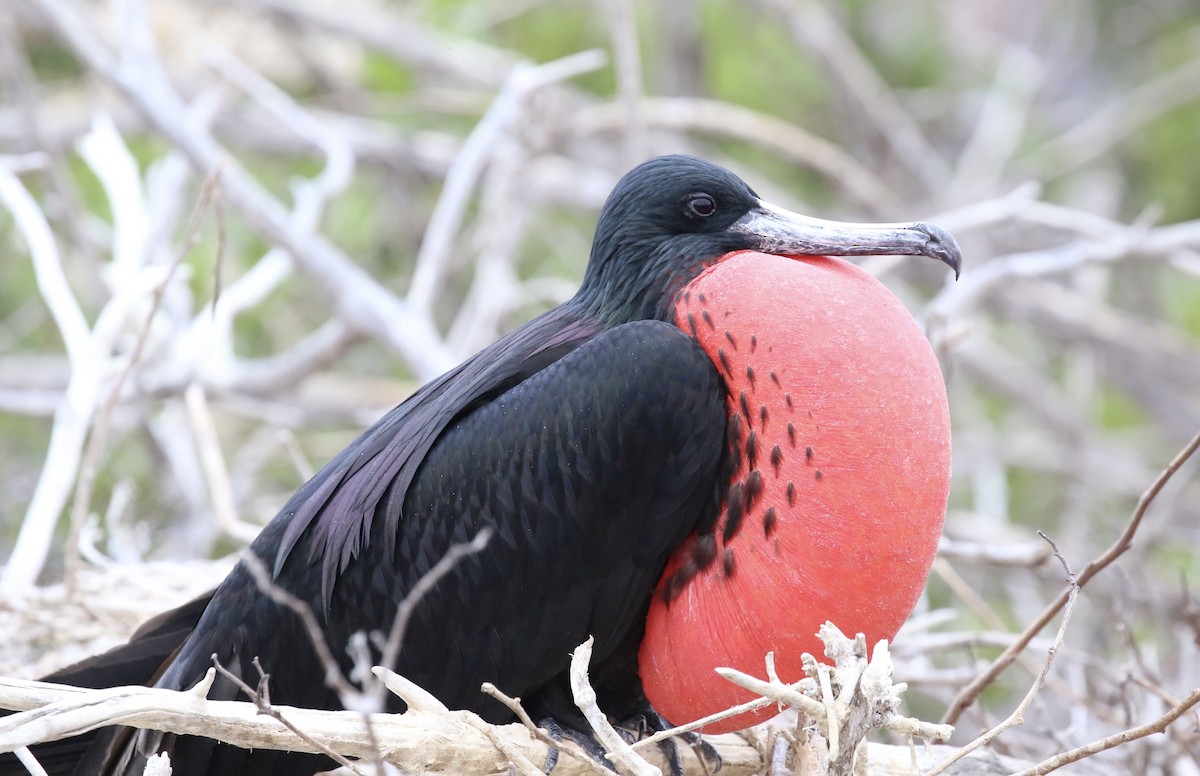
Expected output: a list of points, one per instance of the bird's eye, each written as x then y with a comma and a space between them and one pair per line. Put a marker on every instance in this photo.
701, 206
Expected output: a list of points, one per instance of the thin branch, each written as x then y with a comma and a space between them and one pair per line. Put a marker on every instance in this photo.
505, 214
517, 759
365, 703
360, 300
733, 711
258, 696
420, 701
967, 696
1130, 242
505, 110
312, 195
627, 64
99, 436
1110, 124
1023, 554
1157, 726
585, 698
514, 705
999, 128
25, 93
30, 762
47, 263
1017, 717
777, 692
334, 678
288, 368
216, 471
113, 163
398, 36
74, 411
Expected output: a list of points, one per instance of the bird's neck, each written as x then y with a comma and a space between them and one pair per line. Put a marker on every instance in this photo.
634, 282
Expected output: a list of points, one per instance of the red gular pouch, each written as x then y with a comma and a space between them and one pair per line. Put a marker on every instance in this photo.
841, 430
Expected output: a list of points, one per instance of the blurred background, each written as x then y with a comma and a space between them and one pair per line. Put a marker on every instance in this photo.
235, 232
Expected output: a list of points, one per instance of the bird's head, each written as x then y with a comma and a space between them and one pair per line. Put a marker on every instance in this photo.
671, 217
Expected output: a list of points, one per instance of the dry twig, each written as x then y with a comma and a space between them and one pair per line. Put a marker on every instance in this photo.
427, 738
1017, 717
971, 692
1125, 736
585, 698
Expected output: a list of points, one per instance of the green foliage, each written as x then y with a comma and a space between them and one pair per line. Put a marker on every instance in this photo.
88, 187
1178, 557
897, 42
25, 440
50, 60
550, 31
1165, 171
383, 74
1035, 497
21, 311
1181, 301
757, 65
1115, 410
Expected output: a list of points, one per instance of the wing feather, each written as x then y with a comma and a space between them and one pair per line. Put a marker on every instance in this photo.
591, 470
333, 513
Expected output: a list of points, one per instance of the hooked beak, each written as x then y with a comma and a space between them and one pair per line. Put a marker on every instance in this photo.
775, 230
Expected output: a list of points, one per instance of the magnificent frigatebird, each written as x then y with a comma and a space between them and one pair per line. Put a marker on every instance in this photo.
697, 425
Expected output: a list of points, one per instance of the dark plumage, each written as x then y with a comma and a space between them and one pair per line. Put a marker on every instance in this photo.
592, 440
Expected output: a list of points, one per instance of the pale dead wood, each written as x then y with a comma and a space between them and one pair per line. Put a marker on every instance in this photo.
585, 698
371, 699
838, 705
507, 109
403, 38
30, 762
359, 299
1133, 242
514, 705
627, 64
426, 738
985, 156
74, 410
260, 698
215, 469
104, 411
758, 703
1110, 124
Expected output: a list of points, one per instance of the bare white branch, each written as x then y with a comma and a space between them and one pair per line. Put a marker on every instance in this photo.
446, 219
585, 698
74, 412
427, 738
358, 298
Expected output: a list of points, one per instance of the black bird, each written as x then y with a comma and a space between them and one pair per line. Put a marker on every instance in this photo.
593, 441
